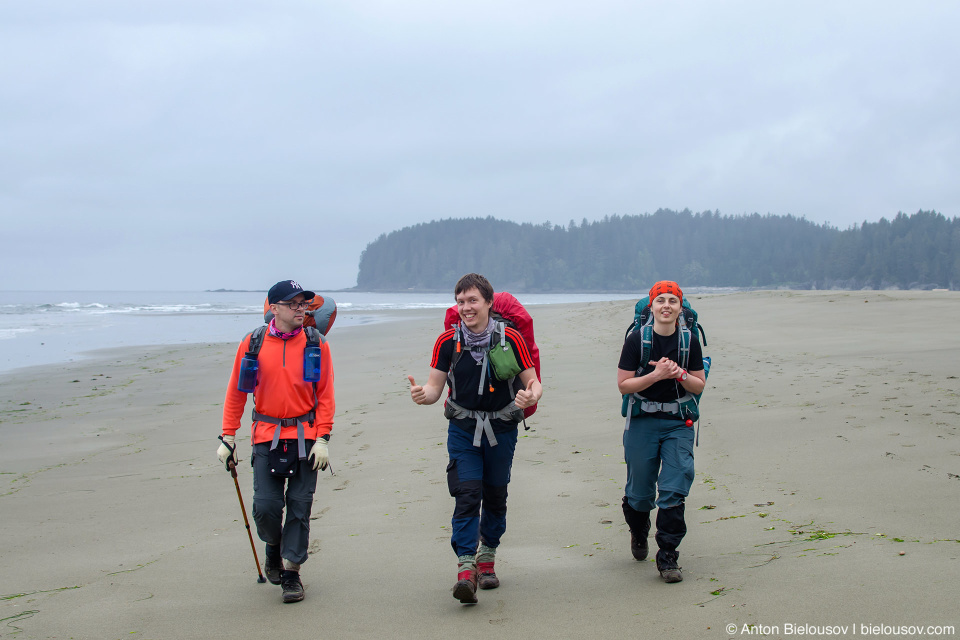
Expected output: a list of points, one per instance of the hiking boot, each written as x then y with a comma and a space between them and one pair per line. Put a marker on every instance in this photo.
668, 567
466, 588
671, 528
672, 574
273, 565
487, 578
639, 547
292, 587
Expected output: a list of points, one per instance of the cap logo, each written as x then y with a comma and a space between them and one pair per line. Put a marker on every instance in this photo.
295, 285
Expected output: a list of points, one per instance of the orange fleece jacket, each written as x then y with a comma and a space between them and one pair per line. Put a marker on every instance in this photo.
281, 391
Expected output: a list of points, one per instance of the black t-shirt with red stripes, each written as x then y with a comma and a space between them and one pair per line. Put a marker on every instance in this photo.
467, 378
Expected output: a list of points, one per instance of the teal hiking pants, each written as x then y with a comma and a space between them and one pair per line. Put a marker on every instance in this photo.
659, 456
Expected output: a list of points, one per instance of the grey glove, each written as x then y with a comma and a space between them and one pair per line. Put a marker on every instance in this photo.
319, 455
227, 451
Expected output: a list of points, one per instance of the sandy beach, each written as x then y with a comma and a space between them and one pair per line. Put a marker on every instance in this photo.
826, 494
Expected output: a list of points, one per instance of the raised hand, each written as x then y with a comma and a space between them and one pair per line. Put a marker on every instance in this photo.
416, 391
526, 397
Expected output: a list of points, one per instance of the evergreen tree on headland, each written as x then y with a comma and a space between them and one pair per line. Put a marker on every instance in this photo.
627, 253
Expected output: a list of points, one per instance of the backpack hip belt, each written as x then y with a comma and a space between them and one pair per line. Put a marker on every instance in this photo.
649, 406
507, 414
309, 416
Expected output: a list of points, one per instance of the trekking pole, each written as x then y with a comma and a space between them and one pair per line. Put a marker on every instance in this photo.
233, 472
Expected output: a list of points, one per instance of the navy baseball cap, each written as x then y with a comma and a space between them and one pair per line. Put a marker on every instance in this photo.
286, 289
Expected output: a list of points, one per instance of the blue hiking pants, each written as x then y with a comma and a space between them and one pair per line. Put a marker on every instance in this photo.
269, 499
659, 456
477, 478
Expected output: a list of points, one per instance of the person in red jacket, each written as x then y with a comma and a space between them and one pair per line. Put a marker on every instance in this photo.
291, 418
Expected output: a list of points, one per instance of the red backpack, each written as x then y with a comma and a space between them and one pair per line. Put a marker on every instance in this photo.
514, 314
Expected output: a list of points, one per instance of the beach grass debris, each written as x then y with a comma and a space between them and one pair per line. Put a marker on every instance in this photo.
136, 568
13, 596
821, 534
8, 621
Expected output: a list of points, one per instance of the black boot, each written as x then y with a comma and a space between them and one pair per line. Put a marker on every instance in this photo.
273, 563
671, 528
639, 523
292, 586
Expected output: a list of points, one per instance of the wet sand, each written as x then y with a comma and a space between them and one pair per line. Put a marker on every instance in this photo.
827, 486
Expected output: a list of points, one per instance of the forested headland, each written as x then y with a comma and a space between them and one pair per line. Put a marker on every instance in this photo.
628, 253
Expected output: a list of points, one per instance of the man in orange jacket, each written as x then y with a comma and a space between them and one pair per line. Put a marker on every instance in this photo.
292, 416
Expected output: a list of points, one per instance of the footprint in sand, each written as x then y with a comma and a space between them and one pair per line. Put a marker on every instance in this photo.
499, 611
317, 515
343, 486
364, 447
314, 547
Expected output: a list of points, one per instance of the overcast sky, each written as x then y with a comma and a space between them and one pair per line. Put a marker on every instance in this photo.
195, 144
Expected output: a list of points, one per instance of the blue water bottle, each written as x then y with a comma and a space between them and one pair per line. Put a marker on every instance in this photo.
248, 374
311, 364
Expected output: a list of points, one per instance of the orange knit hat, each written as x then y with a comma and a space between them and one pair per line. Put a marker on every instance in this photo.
666, 286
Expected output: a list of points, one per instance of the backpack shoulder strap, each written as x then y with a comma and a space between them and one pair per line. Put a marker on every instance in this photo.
256, 340
646, 342
499, 333
685, 337
314, 337
454, 358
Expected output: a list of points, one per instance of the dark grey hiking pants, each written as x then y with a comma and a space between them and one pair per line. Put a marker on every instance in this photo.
271, 494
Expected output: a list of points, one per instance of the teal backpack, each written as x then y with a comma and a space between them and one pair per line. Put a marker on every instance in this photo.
687, 407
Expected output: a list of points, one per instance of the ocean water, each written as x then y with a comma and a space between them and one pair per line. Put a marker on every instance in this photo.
49, 327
